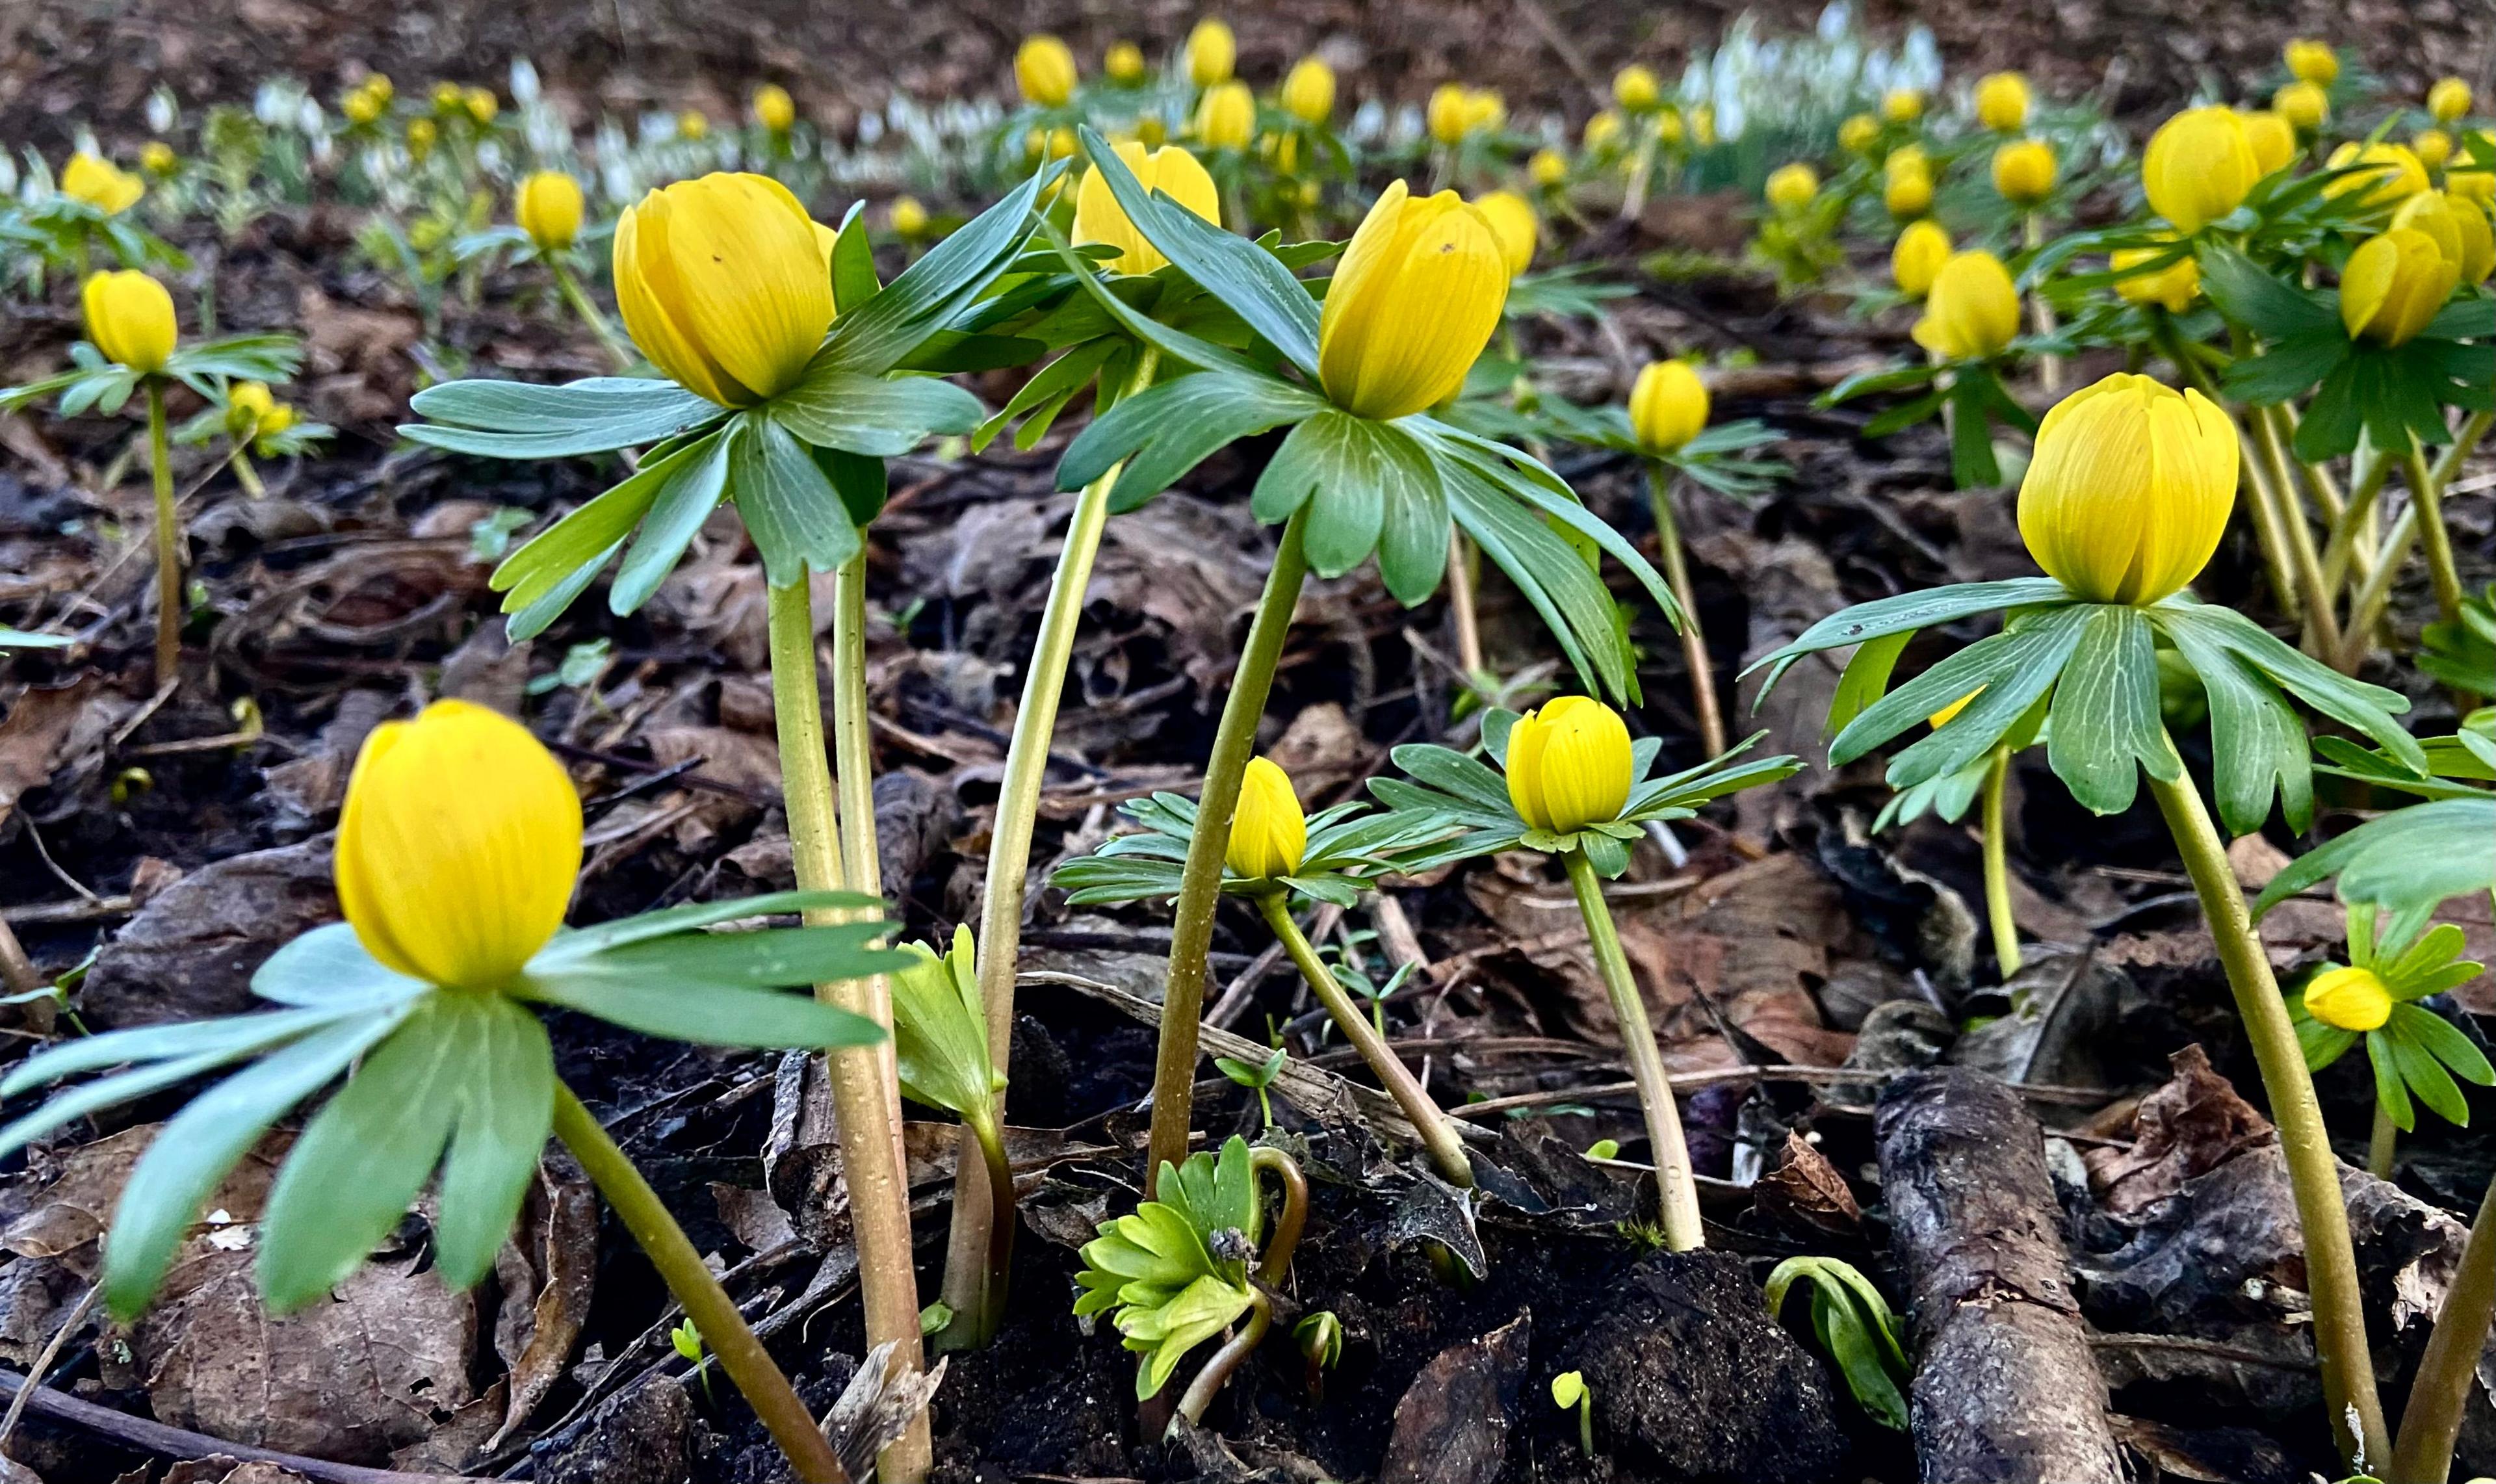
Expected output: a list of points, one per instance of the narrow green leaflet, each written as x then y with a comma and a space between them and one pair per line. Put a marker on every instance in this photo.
515, 420
2408, 861
693, 482
879, 416
2011, 669
1169, 429
794, 516
930, 291
2104, 725
1908, 613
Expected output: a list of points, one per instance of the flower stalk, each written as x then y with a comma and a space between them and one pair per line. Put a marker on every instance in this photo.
2426, 497
168, 539
1676, 1186
1997, 866
2447, 1367
1693, 638
568, 284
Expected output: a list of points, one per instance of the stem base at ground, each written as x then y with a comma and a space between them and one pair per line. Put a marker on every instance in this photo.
1676, 1185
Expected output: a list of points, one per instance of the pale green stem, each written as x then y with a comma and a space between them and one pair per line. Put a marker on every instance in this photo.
1461, 610
1199, 890
2258, 498
2366, 607
765, 1385
1676, 1185
2426, 497
2350, 554
1641, 168
1438, 1131
169, 540
2049, 368
2355, 1411
1694, 639
1997, 866
2382, 1142
2322, 625
589, 312
2448, 1365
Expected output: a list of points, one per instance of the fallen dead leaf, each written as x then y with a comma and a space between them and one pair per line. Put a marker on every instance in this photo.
2193, 1124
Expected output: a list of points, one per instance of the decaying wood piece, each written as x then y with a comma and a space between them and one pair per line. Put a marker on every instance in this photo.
2005, 1390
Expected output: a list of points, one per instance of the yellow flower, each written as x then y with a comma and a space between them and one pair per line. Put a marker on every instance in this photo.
2477, 241
2312, 61
1791, 187
1602, 132
381, 87
692, 124
2272, 136
908, 217
130, 318
1415, 299
1902, 105
1227, 117
548, 207
725, 284
1907, 188
2023, 172
773, 109
1635, 88
2305, 105
2448, 100
277, 420
1668, 127
420, 138
2472, 181
1044, 68
2129, 490
1859, 132
1918, 257
458, 845
448, 97
1308, 91
1169, 170
2175, 286
1061, 143
249, 402
1941, 718
2439, 216
2394, 284
1211, 52
1512, 219
361, 106
1124, 62
2199, 166
481, 104
1447, 114
100, 184
2349, 999
1484, 108
1668, 405
2002, 102
1268, 833
1548, 168
1702, 124
1971, 311
1569, 765
2389, 173
157, 158
2432, 146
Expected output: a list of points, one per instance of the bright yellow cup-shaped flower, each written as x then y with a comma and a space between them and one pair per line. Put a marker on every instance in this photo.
380, 86
1635, 88
1791, 187
773, 109
2199, 166
1124, 62
1484, 108
2394, 284
130, 318
1169, 170
1916, 258
2129, 490
2175, 286
2312, 61
361, 106
1211, 52
908, 217
1902, 105
100, 184
157, 158
2002, 102
2349, 999
1971, 311
421, 135
693, 124
458, 845
1043, 70
2478, 239
1857, 134
1669, 128
1602, 132
2023, 172
548, 207
2272, 136
2448, 100
1413, 300
1667, 406
1269, 832
481, 104
249, 402
2432, 146
1512, 219
1548, 168
1908, 193
1449, 113
1569, 765
2305, 105
725, 284
448, 96
1227, 117
1308, 91
2389, 173
2440, 217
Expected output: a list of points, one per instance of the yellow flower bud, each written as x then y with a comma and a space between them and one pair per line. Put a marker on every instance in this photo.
1859, 132
1917, 257
100, 184
725, 284
1902, 105
2312, 61
2439, 216
2472, 181
1908, 193
2199, 166
1548, 168
1227, 117
458, 845
1511, 218
2305, 105
2448, 100
773, 109
277, 420
2349, 999
1413, 300
130, 318
1485, 110
157, 158
251, 400
1971, 311
1702, 124
1602, 132
481, 104
2389, 173
448, 97
381, 87
908, 217
2272, 136
1170, 170
1124, 63
1044, 68
1268, 833
1669, 126
1447, 114
2002, 102
1569, 765
2394, 284
2432, 146
421, 134
693, 124
2023, 172
1308, 91
1791, 187
1667, 406
548, 207
1211, 52
2175, 286
1150, 131
1061, 143
1635, 88
2129, 490
2477, 241
361, 106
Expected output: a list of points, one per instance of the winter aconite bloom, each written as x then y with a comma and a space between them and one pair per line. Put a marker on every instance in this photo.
2199, 166
908, 217
1449, 116
1857, 134
1667, 406
773, 109
1971, 311
2023, 172
1513, 220
1124, 62
1902, 105
1227, 117
1918, 257
458, 845
2440, 217
2303, 104
1211, 52
1044, 71
2129, 490
1569, 765
1907, 183
2394, 284
1548, 168
2002, 102
2312, 61
157, 158
2349, 999
2448, 100
2272, 136
2175, 286
1269, 833
548, 207
1635, 88
100, 184
724, 283
1791, 187
130, 318
1169, 170
1415, 299
481, 105
2389, 173
1308, 91
2432, 146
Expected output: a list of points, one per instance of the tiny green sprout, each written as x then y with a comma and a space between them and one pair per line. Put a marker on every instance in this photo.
1604, 1149
1569, 1390
582, 663
1257, 1076
490, 536
688, 1343
935, 1316
940, 1039
1320, 1337
1855, 1327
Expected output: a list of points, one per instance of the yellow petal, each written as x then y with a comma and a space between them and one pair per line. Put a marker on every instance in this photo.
646, 296
2349, 999
1269, 832
1417, 298
1568, 764
2128, 492
751, 280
